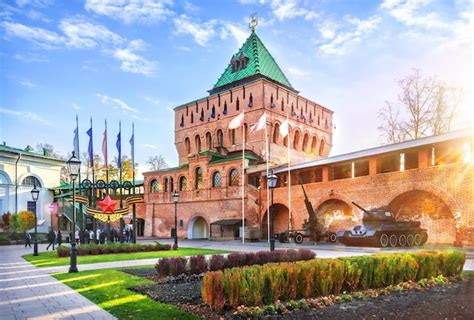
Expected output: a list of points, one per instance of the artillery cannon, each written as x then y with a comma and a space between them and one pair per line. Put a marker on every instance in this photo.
381, 229
311, 228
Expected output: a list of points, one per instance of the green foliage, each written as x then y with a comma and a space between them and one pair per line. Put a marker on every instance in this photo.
15, 223
252, 286
26, 220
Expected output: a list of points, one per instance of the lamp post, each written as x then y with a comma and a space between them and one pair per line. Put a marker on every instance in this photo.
74, 165
272, 180
35, 195
175, 200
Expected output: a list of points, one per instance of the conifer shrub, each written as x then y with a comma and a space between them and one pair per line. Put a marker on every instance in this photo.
265, 284
198, 264
216, 262
177, 265
95, 249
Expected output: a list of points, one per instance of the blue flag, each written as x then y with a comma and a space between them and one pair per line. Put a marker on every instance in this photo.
119, 149
76, 140
91, 148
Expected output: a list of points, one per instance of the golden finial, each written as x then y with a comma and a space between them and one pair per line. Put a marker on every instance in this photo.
253, 21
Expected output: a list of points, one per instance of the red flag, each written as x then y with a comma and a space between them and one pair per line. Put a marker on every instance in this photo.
104, 146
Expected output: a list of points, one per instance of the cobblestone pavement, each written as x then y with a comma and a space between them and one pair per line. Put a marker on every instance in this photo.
27, 292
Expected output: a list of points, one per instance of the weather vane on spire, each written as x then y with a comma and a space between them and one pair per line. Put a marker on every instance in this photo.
253, 21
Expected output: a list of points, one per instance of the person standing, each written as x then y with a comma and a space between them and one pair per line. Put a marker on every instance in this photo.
91, 236
51, 239
127, 235
76, 236
27, 238
59, 238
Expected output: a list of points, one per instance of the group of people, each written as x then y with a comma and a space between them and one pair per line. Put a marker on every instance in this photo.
54, 238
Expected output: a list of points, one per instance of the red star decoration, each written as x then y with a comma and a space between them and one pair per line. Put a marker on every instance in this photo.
108, 205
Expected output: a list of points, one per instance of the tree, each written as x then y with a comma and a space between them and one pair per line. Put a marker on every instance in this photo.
157, 163
426, 106
15, 223
26, 220
6, 221
41, 147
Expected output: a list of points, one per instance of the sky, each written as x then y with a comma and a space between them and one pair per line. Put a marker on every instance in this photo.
135, 60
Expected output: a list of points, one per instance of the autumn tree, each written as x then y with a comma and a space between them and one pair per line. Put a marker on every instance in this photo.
156, 163
26, 220
425, 106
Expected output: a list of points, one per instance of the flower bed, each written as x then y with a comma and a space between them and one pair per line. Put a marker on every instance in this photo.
257, 285
96, 249
198, 264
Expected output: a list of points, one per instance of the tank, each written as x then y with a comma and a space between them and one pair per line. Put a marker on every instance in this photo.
380, 228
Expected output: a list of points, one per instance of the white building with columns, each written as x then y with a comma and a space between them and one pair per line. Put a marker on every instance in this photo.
20, 170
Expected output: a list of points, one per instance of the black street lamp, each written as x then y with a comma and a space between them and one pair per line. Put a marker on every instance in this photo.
74, 165
35, 195
175, 200
272, 180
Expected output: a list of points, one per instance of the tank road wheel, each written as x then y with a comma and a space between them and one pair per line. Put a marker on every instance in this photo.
417, 239
393, 240
402, 240
424, 237
283, 237
383, 240
298, 238
332, 237
410, 240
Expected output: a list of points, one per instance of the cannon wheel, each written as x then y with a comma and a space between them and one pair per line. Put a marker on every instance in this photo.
383, 240
299, 238
332, 237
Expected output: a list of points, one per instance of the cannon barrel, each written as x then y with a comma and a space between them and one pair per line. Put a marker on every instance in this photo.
361, 208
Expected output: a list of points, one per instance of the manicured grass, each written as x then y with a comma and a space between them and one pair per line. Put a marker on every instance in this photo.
108, 289
51, 259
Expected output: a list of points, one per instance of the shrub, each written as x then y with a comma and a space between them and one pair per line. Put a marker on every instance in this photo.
198, 264
63, 251
216, 263
95, 249
177, 265
306, 254
163, 267
290, 281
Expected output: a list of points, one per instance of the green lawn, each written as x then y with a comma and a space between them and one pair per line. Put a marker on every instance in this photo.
51, 259
108, 289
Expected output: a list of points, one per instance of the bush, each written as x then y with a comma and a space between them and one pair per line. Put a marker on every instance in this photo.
198, 264
216, 263
177, 265
95, 249
63, 251
163, 267
255, 285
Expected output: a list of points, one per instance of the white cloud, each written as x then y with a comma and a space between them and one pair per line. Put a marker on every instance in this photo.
343, 41
116, 103
150, 146
25, 115
411, 13
132, 62
34, 3
129, 11
239, 34
75, 106
328, 29
152, 100
286, 9
42, 37
30, 57
297, 72
201, 32
83, 34
27, 83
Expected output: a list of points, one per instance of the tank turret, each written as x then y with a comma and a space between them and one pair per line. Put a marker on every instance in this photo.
381, 228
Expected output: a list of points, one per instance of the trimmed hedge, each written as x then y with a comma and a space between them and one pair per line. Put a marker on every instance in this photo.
198, 264
256, 285
96, 249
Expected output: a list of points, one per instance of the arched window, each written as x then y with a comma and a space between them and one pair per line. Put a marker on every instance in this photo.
285, 141
183, 184
187, 145
181, 124
31, 181
202, 115
213, 112
313, 146
192, 117
154, 185
199, 183
237, 104
225, 108
230, 96
209, 141
321, 148
305, 143
276, 133
197, 141
4, 180
232, 136
282, 105
272, 104
250, 101
296, 140
234, 178
216, 180
171, 184
165, 184
220, 138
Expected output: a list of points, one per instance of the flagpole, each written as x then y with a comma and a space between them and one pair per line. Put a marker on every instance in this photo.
289, 178
120, 177
243, 183
78, 157
267, 150
94, 223
107, 160
134, 214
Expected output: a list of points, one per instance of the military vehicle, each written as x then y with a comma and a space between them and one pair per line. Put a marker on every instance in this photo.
311, 228
381, 229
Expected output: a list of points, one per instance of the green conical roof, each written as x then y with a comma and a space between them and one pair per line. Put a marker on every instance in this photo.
260, 62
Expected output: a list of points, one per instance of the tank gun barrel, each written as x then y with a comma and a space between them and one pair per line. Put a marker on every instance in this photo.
361, 208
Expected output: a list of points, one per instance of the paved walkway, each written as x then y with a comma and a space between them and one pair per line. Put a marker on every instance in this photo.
27, 292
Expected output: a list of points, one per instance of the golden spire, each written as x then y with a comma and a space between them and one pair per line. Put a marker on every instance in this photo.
253, 21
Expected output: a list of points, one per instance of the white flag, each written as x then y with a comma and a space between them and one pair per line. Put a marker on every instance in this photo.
284, 128
237, 121
260, 124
